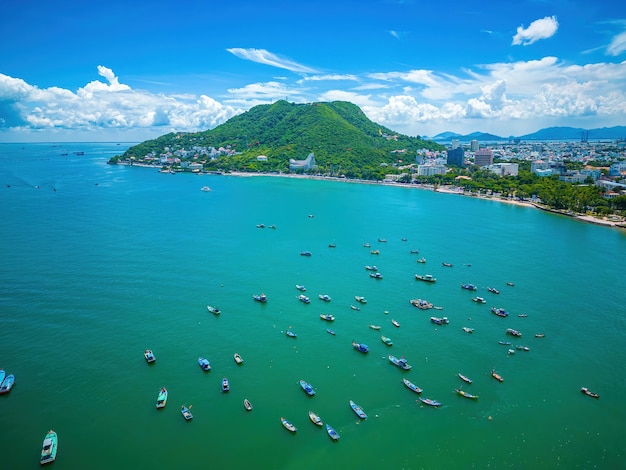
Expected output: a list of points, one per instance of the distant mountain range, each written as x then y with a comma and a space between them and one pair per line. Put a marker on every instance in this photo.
549, 133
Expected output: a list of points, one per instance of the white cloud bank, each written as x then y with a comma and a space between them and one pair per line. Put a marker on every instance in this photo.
262, 56
543, 28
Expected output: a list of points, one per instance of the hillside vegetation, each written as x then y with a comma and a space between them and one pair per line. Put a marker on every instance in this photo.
338, 133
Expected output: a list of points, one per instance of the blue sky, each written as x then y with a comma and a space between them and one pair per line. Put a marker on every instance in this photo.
130, 71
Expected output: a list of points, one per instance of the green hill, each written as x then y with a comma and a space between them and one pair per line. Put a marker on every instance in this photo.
338, 133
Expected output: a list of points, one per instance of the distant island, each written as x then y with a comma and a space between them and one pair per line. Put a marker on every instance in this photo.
547, 134
337, 140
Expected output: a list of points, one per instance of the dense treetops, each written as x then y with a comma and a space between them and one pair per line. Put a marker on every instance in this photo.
338, 133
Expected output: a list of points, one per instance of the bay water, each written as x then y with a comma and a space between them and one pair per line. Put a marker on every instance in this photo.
100, 262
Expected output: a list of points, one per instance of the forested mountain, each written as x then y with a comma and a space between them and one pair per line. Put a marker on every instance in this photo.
339, 134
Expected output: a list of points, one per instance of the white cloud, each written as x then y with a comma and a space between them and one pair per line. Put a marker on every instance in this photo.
617, 45
332, 77
543, 28
263, 56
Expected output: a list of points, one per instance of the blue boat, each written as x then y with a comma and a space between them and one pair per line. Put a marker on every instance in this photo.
2, 375
260, 298
7, 384
290, 333
412, 386
304, 299
149, 355
361, 347
225, 385
469, 287
186, 413
358, 410
204, 364
499, 312
334, 435
401, 363
429, 402
162, 398
329, 331
307, 387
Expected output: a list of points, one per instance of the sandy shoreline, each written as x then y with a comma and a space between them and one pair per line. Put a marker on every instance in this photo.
441, 189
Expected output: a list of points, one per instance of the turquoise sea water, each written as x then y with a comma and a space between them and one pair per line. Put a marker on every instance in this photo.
99, 262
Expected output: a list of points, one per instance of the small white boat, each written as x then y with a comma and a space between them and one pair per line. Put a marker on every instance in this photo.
237, 358
288, 426
315, 419
206, 189
247, 405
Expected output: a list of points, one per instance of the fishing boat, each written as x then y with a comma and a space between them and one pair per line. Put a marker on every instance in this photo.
186, 412
204, 363
376, 275
214, 310
522, 348
401, 363
589, 393
260, 225
540, 335
464, 378
504, 343
522, 315
447, 265
334, 435
440, 321
496, 376
2, 375
467, 329
162, 398
463, 393
395, 323
510, 284
291, 334
237, 358
425, 278
421, 260
7, 383
307, 387
359, 299
375, 252
330, 332
49, 448
429, 402
225, 385
469, 287
247, 405
493, 290
479, 300
324, 297
499, 312
354, 307
327, 317
149, 355
358, 410
366, 245
300, 288
288, 426
260, 298
386, 340
414, 252
371, 268
315, 419
374, 327
304, 299
361, 347
206, 189
512, 332
421, 304
305, 253
411, 386
332, 245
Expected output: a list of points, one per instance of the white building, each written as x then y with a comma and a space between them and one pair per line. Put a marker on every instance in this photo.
431, 170
504, 169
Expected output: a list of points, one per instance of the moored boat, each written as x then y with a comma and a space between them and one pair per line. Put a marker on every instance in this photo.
447, 265
291, 334
589, 393
440, 321
429, 402
330, 332
260, 298
510, 284
479, 300
371, 268
469, 287
539, 335
504, 343
376, 275
360, 299
304, 299
464, 378
288, 426
305, 253
421, 304
354, 307
467, 329
327, 317
499, 312
496, 376
374, 327
162, 398
204, 363
307, 387
361, 347
225, 385
237, 358
300, 288
324, 297
214, 310
247, 405
205, 189
49, 448
149, 355
411, 386
425, 277
375, 252
7, 383
522, 348
463, 393
315, 419
512, 332
386, 340
186, 412
334, 435
395, 323
358, 410
401, 363
421, 260
493, 290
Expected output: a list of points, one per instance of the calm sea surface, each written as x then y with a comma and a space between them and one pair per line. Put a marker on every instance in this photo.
100, 262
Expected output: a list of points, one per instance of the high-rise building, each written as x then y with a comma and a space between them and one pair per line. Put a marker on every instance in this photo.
456, 157
483, 157
474, 145
455, 144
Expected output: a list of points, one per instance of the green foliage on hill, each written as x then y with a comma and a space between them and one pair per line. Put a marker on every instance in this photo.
339, 134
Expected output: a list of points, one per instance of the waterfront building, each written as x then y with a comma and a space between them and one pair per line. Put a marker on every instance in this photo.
483, 157
504, 169
307, 164
431, 170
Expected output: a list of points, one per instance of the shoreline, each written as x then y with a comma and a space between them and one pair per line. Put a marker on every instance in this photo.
441, 189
